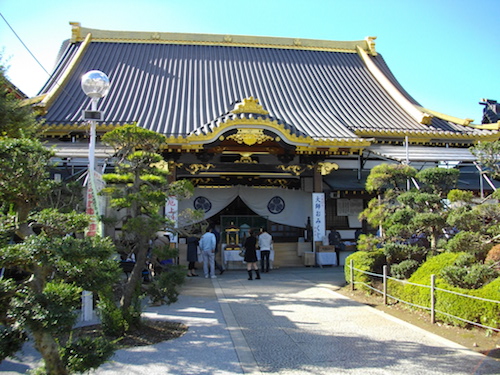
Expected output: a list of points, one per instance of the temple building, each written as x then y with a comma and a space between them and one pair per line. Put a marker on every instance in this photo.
261, 126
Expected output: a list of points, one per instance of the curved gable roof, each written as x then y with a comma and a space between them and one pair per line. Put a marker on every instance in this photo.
178, 87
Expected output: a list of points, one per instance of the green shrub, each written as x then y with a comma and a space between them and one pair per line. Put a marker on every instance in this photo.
164, 287
433, 266
11, 341
371, 261
466, 273
113, 322
469, 242
463, 307
404, 269
397, 252
87, 353
368, 242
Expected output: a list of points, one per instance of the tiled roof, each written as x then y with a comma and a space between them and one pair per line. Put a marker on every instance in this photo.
178, 89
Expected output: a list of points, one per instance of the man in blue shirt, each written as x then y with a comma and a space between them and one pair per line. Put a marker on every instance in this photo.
207, 247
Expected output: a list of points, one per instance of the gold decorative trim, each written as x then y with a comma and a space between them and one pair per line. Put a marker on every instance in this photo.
217, 40
250, 136
201, 181
492, 126
33, 100
326, 168
370, 41
196, 141
281, 182
297, 170
456, 120
422, 136
246, 158
68, 72
195, 168
423, 118
174, 165
63, 129
250, 105
76, 33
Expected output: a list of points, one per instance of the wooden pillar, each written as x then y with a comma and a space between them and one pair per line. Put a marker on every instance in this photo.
172, 177
317, 180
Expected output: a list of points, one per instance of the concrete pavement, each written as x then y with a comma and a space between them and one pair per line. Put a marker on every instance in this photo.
289, 322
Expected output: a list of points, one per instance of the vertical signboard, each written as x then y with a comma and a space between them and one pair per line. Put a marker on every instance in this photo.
94, 206
319, 229
172, 213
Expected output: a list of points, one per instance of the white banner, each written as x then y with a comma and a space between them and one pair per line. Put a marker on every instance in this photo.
172, 213
95, 204
319, 227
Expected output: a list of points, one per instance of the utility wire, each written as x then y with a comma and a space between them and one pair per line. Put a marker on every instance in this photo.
25, 46
39, 63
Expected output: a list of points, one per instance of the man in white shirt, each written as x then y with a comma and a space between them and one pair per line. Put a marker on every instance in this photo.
265, 244
207, 247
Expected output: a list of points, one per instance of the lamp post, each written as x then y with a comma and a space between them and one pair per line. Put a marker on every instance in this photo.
95, 84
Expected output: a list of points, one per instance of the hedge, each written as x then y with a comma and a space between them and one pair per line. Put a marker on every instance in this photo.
368, 261
487, 313
483, 312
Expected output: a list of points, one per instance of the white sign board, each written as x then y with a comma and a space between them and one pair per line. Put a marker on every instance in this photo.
319, 227
172, 213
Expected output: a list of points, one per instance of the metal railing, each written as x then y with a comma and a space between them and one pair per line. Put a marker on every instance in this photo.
432, 287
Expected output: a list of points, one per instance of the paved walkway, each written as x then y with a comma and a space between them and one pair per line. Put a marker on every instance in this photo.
289, 322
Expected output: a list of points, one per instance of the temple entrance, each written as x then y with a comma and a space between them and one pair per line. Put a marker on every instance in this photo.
240, 214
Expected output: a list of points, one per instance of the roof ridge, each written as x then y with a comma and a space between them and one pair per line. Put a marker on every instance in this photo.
78, 34
443, 116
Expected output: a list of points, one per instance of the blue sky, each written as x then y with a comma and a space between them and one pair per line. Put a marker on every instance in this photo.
445, 53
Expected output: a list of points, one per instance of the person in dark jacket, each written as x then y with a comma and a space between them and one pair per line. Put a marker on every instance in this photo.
192, 254
251, 255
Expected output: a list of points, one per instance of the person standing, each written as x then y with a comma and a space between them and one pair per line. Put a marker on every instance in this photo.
335, 239
251, 255
218, 266
265, 244
192, 254
207, 247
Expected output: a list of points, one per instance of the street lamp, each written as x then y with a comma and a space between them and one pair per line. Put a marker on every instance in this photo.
95, 84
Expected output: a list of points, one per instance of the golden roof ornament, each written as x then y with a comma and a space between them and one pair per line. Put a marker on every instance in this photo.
250, 136
370, 40
250, 105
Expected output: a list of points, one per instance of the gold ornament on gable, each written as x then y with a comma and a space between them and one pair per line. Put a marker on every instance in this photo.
250, 105
250, 136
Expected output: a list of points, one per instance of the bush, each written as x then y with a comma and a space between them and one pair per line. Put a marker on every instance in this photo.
113, 322
366, 261
87, 353
368, 242
164, 287
469, 242
478, 311
397, 252
467, 273
11, 341
404, 269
